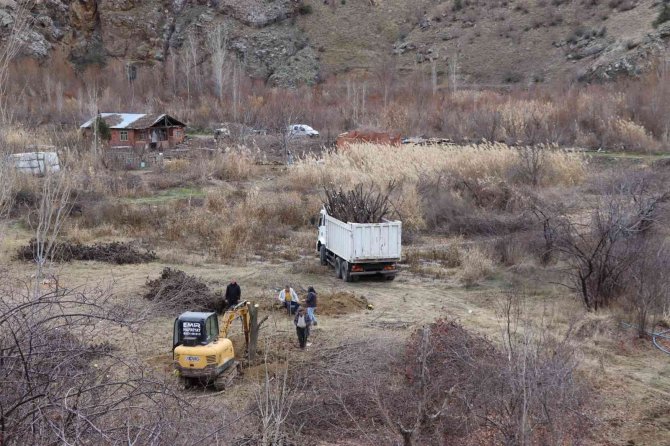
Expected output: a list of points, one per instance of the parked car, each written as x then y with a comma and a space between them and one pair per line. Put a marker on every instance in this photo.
222, 132
302, 130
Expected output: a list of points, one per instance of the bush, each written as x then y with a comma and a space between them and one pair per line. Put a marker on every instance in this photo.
304, 9
663, 15
477, 265
528, 392
512, 78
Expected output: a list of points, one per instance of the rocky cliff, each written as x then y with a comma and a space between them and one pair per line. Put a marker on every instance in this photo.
289, 42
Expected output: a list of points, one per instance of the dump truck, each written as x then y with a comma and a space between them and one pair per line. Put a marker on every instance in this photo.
359, 249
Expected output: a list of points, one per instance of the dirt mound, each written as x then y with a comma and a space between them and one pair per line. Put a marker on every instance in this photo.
339, 303
115, 252
176, 290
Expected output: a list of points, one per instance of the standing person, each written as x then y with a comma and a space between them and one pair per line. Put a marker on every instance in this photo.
311, 304
302, 323
233, 294
290, 299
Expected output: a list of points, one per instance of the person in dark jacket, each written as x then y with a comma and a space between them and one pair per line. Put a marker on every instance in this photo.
302, 323
233, 294
311, 304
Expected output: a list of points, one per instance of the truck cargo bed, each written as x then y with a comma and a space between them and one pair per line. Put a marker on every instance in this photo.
364, 242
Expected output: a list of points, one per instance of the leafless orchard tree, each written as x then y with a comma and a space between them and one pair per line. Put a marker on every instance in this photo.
647, 284
47, 222
9, 50
446, 384
538, 381
274, 398
62, 383
427, 405
601, 250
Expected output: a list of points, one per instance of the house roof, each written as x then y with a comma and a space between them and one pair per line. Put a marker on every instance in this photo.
133, 120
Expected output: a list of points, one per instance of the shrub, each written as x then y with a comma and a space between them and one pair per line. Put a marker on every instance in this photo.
304, 9
512, 78
663, 15
477, 265
527, 392
235, 165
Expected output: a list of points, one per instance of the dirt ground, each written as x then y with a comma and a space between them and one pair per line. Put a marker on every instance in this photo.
632, 379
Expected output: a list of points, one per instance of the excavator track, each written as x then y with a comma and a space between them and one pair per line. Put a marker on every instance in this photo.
225, 379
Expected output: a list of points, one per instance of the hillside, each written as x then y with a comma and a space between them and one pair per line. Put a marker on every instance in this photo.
287, 42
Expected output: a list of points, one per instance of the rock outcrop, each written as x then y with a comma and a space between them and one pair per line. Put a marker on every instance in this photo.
149, 31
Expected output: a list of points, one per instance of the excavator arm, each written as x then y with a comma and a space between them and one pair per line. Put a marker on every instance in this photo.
241, 311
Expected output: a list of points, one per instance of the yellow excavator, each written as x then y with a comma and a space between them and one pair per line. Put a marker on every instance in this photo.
201, 351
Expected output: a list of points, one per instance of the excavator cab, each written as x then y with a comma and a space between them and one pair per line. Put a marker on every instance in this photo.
201, 351
195, 328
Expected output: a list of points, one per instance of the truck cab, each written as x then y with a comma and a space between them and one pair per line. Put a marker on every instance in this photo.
322, 229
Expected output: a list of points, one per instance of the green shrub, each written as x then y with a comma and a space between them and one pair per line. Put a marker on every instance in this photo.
304, 9
663, 15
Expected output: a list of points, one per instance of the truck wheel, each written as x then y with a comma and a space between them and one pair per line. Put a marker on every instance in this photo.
322, 255
346, 275
338, 268
390, 277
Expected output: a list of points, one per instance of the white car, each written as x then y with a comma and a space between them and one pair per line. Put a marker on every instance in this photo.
302, 130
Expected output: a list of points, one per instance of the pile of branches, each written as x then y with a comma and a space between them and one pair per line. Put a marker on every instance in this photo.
361, 204
176, 290
115, 252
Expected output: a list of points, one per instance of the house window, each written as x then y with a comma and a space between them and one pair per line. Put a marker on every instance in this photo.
124, 135
177, 133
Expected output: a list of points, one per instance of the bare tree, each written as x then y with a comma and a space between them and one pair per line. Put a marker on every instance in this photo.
647, 283
274, 398
49, 218
532, 162
7, 178
599, 251
446, 385
217, 42
62, 384
427, 409
9, 50
386, 72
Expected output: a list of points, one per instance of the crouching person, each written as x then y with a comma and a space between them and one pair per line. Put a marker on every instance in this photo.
302, 323
289, 298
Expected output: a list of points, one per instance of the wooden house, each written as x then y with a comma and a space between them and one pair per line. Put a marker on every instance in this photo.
144, 131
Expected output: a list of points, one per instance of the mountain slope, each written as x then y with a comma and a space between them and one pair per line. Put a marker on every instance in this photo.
287, 42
